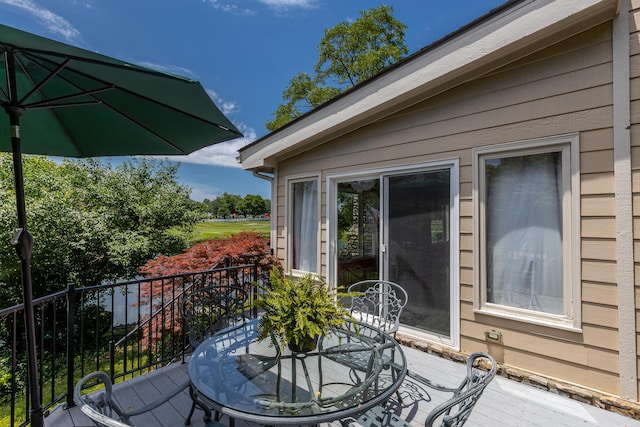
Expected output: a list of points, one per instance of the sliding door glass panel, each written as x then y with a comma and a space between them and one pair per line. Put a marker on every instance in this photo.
417, 246
358, 232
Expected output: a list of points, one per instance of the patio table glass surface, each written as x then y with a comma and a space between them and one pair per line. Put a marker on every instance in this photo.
352, 369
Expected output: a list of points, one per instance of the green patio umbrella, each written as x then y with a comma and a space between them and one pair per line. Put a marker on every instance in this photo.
61, 100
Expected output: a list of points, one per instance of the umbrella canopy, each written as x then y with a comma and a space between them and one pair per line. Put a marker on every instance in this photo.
126, 109
61, 100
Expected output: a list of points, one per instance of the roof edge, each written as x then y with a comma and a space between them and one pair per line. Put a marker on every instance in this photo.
513, 25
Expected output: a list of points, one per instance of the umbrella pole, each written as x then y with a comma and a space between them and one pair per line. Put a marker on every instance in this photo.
23, 242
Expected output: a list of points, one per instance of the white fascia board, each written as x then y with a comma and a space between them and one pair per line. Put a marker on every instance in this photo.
502, 34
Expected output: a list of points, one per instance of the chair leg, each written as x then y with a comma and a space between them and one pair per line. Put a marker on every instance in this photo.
205, 408
187, 420
393, 374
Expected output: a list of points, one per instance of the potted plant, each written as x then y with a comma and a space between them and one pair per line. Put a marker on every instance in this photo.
298, 310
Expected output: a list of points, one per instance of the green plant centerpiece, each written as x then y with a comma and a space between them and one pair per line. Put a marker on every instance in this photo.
298, 310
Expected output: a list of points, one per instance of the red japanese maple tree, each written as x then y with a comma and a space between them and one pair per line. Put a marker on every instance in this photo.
165, 293
243, 248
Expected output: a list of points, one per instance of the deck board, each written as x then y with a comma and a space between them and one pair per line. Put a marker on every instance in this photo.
504, 402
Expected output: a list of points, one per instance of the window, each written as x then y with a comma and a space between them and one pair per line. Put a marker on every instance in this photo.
303, 225
527, 221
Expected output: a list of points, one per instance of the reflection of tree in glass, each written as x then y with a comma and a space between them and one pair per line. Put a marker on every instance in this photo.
358, 217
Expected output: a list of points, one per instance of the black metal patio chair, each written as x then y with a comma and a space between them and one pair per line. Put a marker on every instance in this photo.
378, 303
453, 412
208, 310
103, 409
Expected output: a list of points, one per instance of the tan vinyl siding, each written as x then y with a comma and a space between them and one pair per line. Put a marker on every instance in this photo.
598, 206
602, 227
634, 70
323, 229
565, 88
582, 357
597, 183
280, 226
603, 249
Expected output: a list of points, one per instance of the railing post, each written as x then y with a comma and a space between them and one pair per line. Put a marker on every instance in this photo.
112, 362
71, 310
255, 288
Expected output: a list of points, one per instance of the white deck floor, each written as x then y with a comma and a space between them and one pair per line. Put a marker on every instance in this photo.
504, 402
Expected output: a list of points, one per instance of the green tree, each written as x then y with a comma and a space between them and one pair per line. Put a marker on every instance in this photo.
254, 205
349, 53
91, 221
224, 205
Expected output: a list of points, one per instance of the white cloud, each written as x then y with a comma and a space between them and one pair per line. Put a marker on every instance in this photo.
234, 7
88, 4
229, 6
200, 192
227, 107
53, 23
305, 4
223, 154
170, 69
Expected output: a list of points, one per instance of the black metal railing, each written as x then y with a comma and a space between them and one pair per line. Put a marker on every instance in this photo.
124, 329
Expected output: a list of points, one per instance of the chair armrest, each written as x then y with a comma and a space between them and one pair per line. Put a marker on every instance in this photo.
152, 405
100, 406
430, 383
100, 419
445, 407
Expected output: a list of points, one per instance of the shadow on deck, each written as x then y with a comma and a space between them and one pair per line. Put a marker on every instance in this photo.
504, 402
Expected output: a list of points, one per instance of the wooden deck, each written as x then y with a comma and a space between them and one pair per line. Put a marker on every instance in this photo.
504, 402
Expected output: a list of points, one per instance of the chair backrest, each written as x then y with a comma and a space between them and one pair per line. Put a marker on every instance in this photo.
378, 303
98, 405
456, 410
207, 310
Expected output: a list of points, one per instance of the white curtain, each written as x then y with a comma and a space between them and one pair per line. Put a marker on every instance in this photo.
524, 232
305, 226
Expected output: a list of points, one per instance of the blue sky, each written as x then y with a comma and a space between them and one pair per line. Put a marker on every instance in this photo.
244, 52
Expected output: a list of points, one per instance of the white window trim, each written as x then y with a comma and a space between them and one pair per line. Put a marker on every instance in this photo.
569, 144
332, 180
288, 221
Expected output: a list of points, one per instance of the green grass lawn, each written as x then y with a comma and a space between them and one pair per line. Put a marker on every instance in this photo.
213, 230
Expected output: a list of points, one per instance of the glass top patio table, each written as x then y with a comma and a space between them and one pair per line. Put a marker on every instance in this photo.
352, 369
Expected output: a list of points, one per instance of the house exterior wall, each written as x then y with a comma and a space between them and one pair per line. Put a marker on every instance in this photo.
634, 75
565, 88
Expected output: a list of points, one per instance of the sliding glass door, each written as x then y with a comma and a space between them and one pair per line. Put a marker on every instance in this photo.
416, 246
401, 225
